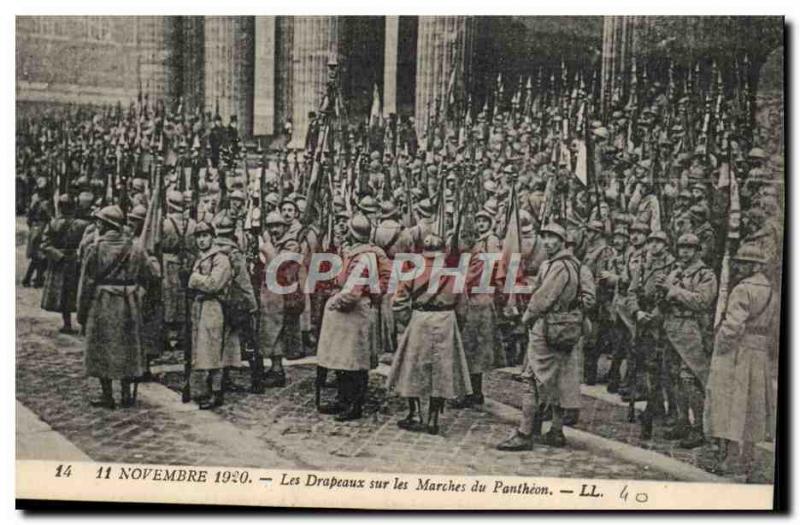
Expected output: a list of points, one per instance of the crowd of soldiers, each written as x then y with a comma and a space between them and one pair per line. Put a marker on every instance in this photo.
649, 232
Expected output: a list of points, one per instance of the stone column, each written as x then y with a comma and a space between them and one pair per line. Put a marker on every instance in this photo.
264, 76
441, 46
228, 57
152, 37
390, 65
314, 42
192, 63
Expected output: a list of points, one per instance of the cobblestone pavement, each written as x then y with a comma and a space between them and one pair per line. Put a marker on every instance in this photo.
611, 421
280, 428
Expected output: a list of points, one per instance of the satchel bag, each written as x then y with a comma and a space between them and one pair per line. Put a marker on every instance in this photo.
563, 330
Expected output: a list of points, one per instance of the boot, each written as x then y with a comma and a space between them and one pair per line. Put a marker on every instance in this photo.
126, 397
436, 407
106, 398
275, 377
257, 372
693, 439
413, 420
352, 396
554, 438
646, 430
571, 416
217, 400
66, 319
516, 442
679, 431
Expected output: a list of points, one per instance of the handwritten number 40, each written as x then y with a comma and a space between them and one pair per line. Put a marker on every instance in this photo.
63, 471
640, 497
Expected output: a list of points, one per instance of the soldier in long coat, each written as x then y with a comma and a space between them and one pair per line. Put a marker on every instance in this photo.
178, 254
349, 341
241, 306
115, 271
39, 214
558, 296
215, 345
740, 397
60, 242
478, 331
690, 291
430, 360
391, 236
279, 326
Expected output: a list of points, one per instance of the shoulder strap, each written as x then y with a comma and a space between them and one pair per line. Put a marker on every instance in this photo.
116, 263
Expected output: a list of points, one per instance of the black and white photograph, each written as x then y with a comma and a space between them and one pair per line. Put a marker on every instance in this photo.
295, 253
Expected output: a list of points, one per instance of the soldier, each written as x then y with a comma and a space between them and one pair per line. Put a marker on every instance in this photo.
39, 214
619, 331
114, 271
178, 251
598, 259
478, 312
60, 241
647, 297
214, 344
633, 260
424, 210
349, 341
555, 312
705, 232
740, 395
390, 236
279, 326
690, 291
240, 307
430, 360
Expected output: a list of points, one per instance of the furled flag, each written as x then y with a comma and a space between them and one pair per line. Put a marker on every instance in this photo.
734, 218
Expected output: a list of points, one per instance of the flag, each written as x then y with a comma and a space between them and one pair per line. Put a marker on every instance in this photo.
734, 218
150, 237
512, 241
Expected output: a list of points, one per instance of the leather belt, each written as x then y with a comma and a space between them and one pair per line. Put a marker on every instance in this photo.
433, 308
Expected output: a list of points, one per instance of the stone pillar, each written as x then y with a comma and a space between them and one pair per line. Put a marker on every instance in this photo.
314, 42
390, 65
152, 38
192, 64
228, 61
284, 39
264, 76
441, 46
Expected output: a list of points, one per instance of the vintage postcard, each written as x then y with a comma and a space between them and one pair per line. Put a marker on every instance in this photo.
400, 262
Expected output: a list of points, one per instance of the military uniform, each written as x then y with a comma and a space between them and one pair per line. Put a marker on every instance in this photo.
60, 242
178, 252
39, 214
113, 275
597, 259
740, 396
647, 298
689, 300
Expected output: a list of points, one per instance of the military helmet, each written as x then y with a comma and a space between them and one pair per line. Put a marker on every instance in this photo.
640, 227
658, 235
204, 227
388, 210
112, 216
525, 221
223, 224
688, 239
360, 228
85, 199
175, 200
424, 208
757, 153
138, 213
368, 204
750, 253
621, 230
273, 218
272, 199
485, 214
555, 229
138, 184
238, 195
41, 183
596, 226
